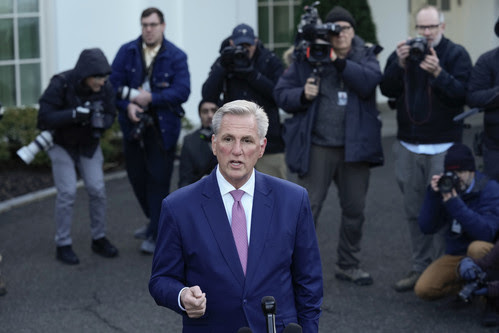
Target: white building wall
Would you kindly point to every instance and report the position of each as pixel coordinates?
(196, 26)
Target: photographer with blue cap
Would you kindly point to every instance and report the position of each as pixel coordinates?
(462, 204)
(247, 70)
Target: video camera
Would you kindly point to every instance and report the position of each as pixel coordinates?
(235, 57)
(448, 181)
(418, 49)
(145, 119)
(310, 29)
(466, 292)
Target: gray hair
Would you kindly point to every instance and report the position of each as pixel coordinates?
(242, 107)
(440, 13)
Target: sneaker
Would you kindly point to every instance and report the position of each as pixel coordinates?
(407, 283)
(104, 248)
(66, 255)
(148, 246)
(355, 275)
(140, 233)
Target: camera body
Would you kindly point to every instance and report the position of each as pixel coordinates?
(448, 181)
(418, 49)
(138, 130)
(234, 57)
(466, 293)
(43, 141)
(97, 118)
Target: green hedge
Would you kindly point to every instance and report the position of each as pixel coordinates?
(18, 128)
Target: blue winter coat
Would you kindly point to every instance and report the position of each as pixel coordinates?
(362, 123)
(169, 82)
(477, 212)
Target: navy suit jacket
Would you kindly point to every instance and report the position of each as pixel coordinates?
(195, 246)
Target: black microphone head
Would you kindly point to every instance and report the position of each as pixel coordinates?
(244, 330)
(268, 305)
(292, 328)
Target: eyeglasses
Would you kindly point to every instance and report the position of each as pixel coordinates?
(149, 25)
(345, 27)
(432, 27)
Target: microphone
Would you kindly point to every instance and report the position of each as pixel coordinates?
(292, 328)
(245, 330)
(268, 307)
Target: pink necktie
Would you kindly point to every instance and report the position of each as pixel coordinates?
(238, 226)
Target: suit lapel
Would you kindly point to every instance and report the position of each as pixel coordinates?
(217, 218)
(263, 204)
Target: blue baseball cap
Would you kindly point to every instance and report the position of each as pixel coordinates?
(243, 34)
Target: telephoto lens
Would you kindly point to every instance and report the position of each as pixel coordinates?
(43, 141)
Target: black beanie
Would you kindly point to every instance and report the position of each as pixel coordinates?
(339, 13)
(497, 27)
(459, 158)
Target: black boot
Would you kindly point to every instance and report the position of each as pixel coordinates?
(66, 255)
(103, 247)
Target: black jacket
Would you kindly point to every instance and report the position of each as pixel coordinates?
(67, 91)
(426, 105)
(256, 85)
(483, 92)
(196, 158)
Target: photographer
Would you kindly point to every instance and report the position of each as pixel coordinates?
(427, 78)
(463, 204)
(78, 106)
(483, 92)
(482, 277)
(338, 134)
(247, 70)
(196, 158)
(150, 120)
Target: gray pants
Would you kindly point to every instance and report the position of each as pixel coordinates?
(352, 180)
(413, 173)
(65, 178)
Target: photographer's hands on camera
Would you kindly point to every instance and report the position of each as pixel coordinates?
(470, 271)
(445, 195)
(138, 104)
(430, 63)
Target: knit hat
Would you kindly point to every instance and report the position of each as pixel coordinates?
(459, 158)
(339, 13)
(497, 27)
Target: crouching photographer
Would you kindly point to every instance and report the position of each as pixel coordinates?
(481, 278)
(463, 206)
(77, 107)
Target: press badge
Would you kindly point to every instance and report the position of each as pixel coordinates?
(456, 227)
(342, 98)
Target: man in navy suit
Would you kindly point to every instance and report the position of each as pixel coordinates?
(198, 270)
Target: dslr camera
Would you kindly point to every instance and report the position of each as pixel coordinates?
(138, 130)
(43, 141)
(418, 49)
(466, 293)
(235, 57)
(448, 181)
(97, 118)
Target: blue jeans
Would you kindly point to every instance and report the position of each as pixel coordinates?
(149, 168)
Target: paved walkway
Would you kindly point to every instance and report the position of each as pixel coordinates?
(110, 295)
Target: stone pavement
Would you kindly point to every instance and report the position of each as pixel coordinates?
(111, 295)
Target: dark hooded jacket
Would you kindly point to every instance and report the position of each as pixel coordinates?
(67, 91)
